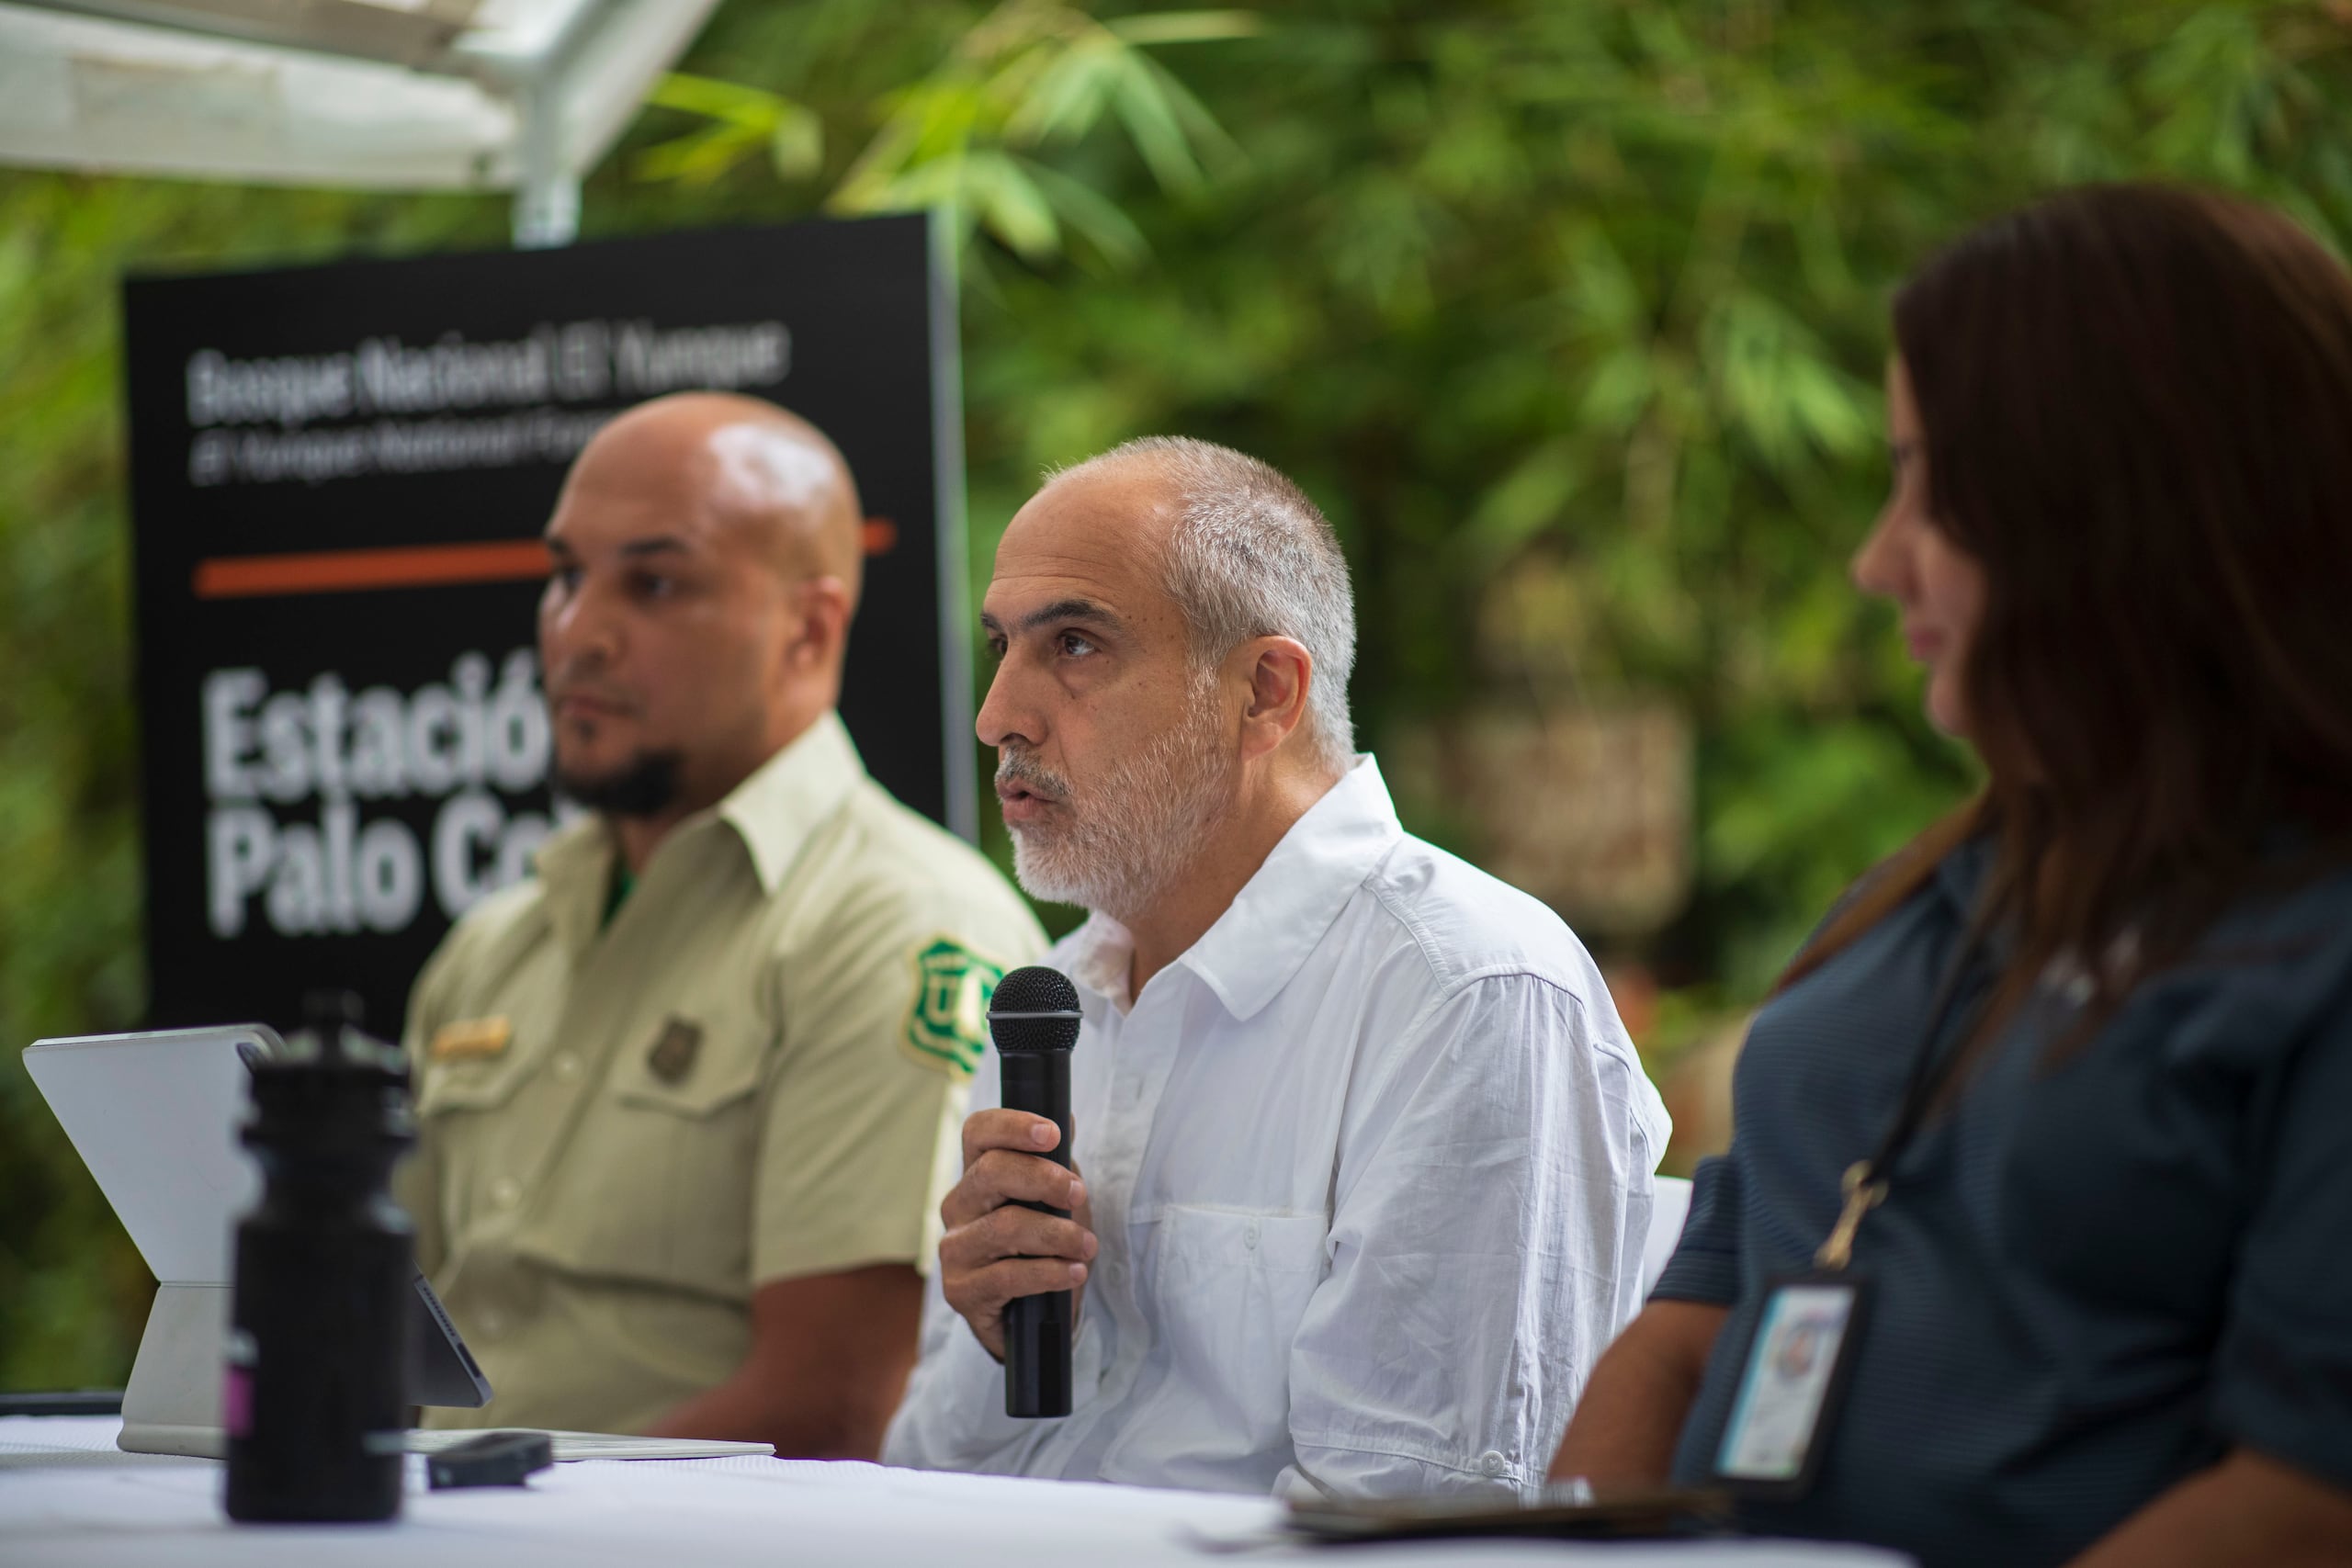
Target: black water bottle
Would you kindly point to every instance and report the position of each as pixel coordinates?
(316, 1397)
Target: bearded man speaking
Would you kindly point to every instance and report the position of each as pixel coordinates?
(1363, 1151)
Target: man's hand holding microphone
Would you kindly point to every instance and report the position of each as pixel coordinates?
(1020, 1237)
(995, 1250)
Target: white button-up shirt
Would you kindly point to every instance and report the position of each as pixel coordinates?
(1370, 1169)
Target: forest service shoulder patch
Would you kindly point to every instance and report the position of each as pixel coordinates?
(947, 1021)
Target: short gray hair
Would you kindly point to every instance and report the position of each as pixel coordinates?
(1251, 556)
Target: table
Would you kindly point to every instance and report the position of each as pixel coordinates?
(68, 1497)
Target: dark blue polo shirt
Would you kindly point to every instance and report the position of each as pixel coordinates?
(2094, 1275)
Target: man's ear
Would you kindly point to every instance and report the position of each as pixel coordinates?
(1280, 672)
(823, 632)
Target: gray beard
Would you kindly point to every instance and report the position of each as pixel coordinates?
(1126, 838)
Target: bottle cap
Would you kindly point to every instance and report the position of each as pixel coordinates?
(335, 1085)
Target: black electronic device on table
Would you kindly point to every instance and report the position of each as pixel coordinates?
(1660, 1512)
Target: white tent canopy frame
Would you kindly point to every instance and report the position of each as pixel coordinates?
(516, 95)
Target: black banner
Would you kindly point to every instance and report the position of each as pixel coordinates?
(338, 478)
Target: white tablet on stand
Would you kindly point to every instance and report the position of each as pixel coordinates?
(154, 1117)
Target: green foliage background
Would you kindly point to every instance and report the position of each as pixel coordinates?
(1586, 293)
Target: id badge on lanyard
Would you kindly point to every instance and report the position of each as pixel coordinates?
(1809, 1334)
(1799, 1362)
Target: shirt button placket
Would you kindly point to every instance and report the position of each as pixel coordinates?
(1114, 1156)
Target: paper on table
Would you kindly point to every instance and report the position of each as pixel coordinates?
(572, 1446)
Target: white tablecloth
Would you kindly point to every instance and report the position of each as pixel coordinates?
(67, 1496)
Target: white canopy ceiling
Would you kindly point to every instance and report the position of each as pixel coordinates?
(526, 94)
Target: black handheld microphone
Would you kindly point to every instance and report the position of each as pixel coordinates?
(1034, 1019)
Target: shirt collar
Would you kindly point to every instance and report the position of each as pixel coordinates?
(776, 809)
(772, 812)
(574, 868)
(1099, 955)
(1281, 913)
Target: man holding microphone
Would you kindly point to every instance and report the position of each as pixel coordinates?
(1362, 1152)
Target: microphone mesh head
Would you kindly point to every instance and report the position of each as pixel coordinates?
(1034, 991)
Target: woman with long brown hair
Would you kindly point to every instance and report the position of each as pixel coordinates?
(2035, 1241)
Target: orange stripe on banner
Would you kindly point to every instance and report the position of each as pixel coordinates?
(416, 566)
(345, 571)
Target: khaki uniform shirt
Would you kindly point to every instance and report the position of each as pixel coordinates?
(756, 1071)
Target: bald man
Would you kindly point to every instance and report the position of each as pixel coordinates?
(688, 1095)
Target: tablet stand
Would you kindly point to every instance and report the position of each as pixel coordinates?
(172, 1404)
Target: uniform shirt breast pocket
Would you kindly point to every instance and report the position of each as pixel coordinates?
(463, 1107)
(470, 1084)
(1233, 1285)
(665, 1162)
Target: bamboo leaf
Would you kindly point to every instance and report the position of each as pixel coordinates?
(716, 99)
(1186, 27)
(1150, 120)
(698, 159)
(796, 145)
(1009, 205)
(1090, 214)
(1068, 97)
